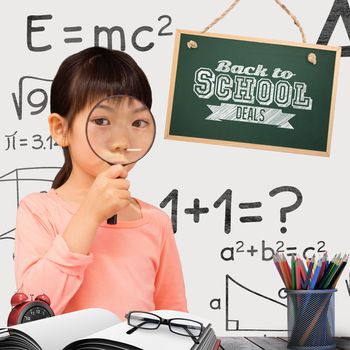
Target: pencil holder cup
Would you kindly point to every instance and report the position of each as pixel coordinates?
(311, 319)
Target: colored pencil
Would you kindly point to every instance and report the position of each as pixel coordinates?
(309, 271)
(316, 274)
(278, 267)
(284, 272)
(328, 268)
(293, 271)
(303, 272)
(323, 268)
(298, 273)
(336, 276)
(322, 274)
(288, 271)
(332, 272)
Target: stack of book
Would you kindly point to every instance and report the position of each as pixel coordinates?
(100, 329)
(208, 341)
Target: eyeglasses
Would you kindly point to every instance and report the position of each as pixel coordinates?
(180, 326)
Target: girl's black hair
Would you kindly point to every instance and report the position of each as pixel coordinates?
(90, 75)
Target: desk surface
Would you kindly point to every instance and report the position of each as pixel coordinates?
(269, 343)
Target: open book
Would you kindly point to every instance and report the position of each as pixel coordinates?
(101, 329)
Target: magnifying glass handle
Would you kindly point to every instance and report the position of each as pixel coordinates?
(112, 220)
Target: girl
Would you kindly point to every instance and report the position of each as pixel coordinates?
(64, 247)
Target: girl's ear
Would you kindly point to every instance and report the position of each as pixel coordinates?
(58, 129)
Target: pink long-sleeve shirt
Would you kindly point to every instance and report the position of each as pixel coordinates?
(133, 265)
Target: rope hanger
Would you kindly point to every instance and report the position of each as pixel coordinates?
(311, 57)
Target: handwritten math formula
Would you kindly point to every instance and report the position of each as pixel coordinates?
(115, 37)
(32, 97)
(15, 141)
(266, 251)
(198, 209)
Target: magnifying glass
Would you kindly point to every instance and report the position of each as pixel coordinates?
(120, 129)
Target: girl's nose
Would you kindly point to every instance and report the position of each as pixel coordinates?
(119, 139)
(119, 145)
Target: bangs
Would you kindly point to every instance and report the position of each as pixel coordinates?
(103, 73)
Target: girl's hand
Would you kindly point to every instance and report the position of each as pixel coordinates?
(108, 194)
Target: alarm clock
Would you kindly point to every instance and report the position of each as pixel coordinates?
(24, 310)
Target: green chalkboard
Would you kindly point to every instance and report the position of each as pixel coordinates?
(252, 93)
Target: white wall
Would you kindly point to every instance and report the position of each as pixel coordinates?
(196, 170)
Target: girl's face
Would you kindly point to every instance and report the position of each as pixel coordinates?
(119, 130)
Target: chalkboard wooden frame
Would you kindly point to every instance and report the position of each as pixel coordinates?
(319, 150)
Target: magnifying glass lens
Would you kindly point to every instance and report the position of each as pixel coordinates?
(120, 129)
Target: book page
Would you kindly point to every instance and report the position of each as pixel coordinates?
(158, 339)
(56, 332)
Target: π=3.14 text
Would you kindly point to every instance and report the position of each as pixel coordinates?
(14, 142)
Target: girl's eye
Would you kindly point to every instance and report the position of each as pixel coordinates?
(101, 121)
(140, 123)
